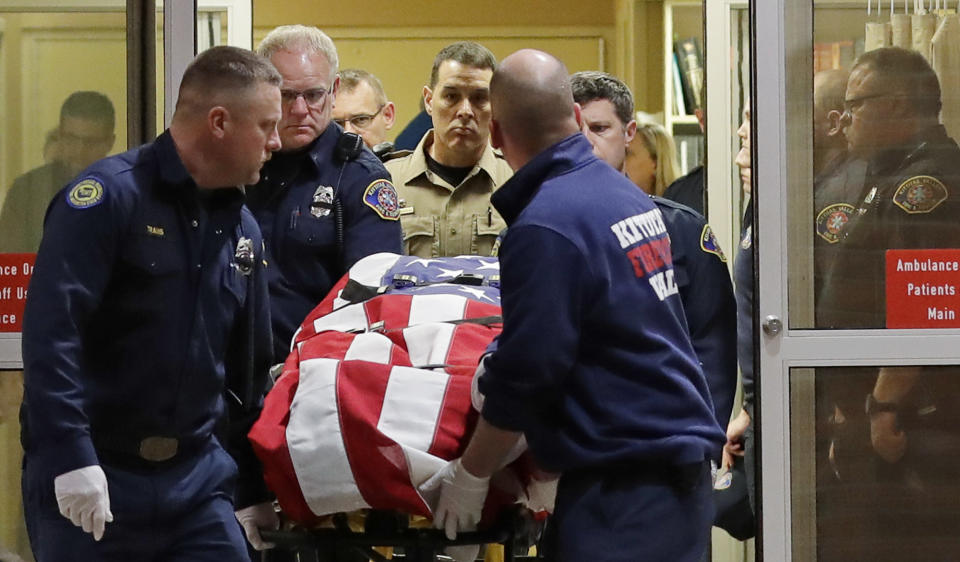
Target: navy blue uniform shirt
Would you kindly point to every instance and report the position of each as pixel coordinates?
(909, 199)
(594, 364)
(743, 280)
(700, 271)
(135, 317)
(689, 190)
(292, 205)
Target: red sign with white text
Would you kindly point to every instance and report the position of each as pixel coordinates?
(923, 288)
(15, 271)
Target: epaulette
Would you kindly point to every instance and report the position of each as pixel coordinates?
(395, 154)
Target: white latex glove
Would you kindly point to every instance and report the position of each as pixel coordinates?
(476, 397)
(461, 498)
(541, 495)
(256, 517)
(463, 552)
(83, 498)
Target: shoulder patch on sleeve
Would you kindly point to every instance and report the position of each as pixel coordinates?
(382, 197)
(831, 220)
(86, 193)
(709, 243)
(920, 194)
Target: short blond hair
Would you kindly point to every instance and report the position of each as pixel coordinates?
(311, 39)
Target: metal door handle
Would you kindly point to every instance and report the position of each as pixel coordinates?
(772, 325)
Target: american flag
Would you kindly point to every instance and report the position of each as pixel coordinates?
(375, 395)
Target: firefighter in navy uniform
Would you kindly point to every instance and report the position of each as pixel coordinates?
(909, 200)
(147, 302)
(610, 394)
(324, 201)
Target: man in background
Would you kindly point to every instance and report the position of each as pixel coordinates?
(446, 182)
(700, 266)
(362, 107)
(85, 134)
(324, 201)
(908, 201)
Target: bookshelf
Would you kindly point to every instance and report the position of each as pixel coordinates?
(682, 20)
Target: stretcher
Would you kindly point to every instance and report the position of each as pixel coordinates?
(515, 530)
(375, 397)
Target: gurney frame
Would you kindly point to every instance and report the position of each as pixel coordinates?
(515, 528)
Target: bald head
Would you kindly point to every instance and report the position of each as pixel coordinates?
(829, 87)
(532, 104)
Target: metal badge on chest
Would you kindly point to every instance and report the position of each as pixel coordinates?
(322, 202)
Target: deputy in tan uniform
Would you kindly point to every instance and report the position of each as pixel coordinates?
(446, 182)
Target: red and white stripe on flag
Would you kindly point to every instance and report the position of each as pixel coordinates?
(358, 420)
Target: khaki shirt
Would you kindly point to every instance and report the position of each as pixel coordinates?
(440, 219)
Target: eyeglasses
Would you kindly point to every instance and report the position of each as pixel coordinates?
(852, 104)
(313, 96)
(69, 137)
(361, 121)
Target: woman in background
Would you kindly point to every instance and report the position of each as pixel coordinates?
(652, 159)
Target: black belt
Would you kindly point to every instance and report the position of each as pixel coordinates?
(151, 451)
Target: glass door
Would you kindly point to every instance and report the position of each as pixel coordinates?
(857, 238)
(64, 103)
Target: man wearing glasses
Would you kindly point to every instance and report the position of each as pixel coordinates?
(363, 108)
(446, 182)
(905, 502)
(85, 135)
(324, 201)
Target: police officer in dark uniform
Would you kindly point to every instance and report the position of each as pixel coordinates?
(147, 317)
(324, 201)
(909, 200)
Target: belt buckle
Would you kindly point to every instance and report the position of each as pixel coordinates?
(158, 449)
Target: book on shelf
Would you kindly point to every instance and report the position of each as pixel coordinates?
(679, 107)
(834, 54)
(689, 58)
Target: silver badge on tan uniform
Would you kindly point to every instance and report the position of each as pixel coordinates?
(244, 257)
(322, 201)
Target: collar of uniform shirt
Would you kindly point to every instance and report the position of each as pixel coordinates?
(516, 192)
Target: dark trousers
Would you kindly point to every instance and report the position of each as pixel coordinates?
(631, 514)
(182, 512)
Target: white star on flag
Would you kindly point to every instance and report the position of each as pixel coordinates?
(479, 294)
(425, 262)
(448, 273)
(490, 265)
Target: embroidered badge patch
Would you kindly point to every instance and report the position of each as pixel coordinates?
(832, 219)
(381, 196)
(87, 193)
(920, 194)
(709, 243)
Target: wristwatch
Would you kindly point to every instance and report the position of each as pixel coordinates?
(875, 407)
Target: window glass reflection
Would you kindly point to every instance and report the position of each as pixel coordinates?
(59, 117)
(887, 484)
(886, 168)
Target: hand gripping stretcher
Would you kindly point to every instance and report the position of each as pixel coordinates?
(374, 398)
